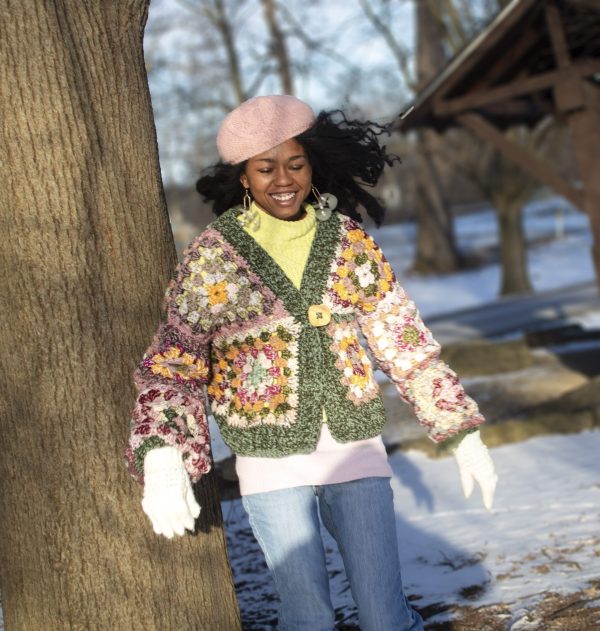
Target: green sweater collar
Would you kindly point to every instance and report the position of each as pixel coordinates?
(314, 280)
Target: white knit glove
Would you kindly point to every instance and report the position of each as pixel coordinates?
(475, 465)
(168, 497)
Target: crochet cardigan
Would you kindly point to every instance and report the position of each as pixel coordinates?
(235, 323)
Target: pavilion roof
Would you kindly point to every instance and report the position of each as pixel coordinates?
(507, 73)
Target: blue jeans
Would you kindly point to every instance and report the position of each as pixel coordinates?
(360, 517)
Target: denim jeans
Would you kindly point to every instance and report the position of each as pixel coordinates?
(360, 517)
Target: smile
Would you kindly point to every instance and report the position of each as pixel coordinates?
(283, 197)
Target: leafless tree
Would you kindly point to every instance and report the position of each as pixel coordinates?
(436, 250)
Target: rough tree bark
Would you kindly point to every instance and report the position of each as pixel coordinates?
(86, 254)
(436, 245)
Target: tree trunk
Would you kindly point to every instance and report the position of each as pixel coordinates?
(233, 60)
(278, 47)
(86, 254)
(436, 250)
(513, 250)
(584, 124)
(436, 246)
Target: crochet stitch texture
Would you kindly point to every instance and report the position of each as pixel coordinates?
(236, 324)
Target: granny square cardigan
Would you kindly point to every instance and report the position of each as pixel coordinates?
(235, 324)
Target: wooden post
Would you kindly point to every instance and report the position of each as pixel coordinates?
(540, 170)
(579, 101)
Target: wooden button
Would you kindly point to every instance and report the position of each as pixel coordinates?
(319, 315)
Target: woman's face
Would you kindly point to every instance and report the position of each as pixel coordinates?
(279, 179)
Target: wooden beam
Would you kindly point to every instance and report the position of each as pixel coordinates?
(519, 87)
(521, 47)
(568, 93)
(540, 170)
(466, 61)
(585, 4)
(557, 36)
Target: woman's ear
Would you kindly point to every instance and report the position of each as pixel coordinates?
(244, 180)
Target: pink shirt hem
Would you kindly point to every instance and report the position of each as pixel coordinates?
(330, 463)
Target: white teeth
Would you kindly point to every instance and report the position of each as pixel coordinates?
(283, 197)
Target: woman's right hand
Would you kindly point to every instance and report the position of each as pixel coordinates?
(168, 498)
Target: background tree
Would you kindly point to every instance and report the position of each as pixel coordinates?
(506, 185)
(436, 250)
(204, 58)
(85, 257)
(436, 245)
(508, 188)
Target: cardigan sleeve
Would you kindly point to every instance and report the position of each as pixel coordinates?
(170, 406)
(405, 350)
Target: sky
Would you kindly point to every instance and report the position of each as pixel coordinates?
(187, 73)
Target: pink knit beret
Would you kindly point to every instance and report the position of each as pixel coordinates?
(261, 123)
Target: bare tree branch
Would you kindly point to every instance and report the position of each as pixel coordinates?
(401, 54)
(278, 46)
(311, 43)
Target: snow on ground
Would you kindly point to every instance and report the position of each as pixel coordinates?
(543, 532)
(558, 256)
(541, 536)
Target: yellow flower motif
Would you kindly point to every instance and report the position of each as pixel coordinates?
(217, 293)
(199, 371)
(183, 365)
(342, 272)
(348, 254)
(340, 290)
(355, 235)
(162, 370)
(187, 359)
(359, 380)
(172, 353)
(384, 285)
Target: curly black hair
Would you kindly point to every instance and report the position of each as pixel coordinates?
(345, 155)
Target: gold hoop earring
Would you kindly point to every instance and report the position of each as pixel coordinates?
(324, 204)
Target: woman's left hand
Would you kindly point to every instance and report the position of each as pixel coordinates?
(475, 465)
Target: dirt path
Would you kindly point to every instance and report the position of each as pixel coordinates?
(574, 612)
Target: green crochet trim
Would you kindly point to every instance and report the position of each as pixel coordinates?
(314, 279)
(450, 444)
(140, 453)
(346, 420)
(319, 379)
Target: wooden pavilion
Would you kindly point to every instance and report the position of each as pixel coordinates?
(538, 58)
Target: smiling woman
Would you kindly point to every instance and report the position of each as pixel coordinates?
(279, 179)
(267, 311)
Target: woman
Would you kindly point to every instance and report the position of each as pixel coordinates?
(265, 311)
